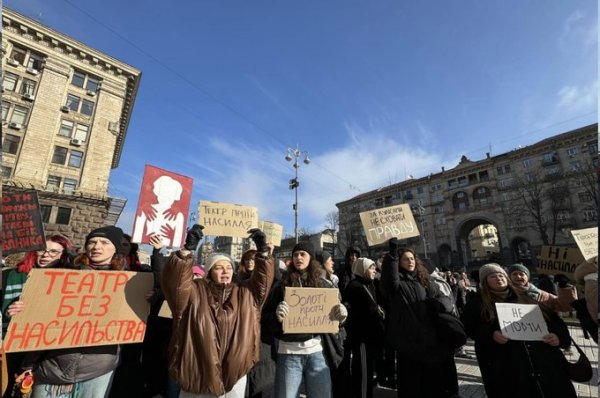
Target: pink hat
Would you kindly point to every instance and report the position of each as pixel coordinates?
(198, 270)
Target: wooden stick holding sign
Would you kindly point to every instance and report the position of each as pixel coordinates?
(521, 321)
(310, 309)
(587, 241)
(73, 308)
(226, 219)
(390, 222)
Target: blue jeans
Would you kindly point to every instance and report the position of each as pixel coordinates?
(291, 368)
(98, 387)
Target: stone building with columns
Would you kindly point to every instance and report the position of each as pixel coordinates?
(476, 211)
(66, 108)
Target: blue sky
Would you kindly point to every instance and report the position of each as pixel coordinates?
(374, 90)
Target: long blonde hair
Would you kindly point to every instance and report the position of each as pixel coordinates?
(489, 298)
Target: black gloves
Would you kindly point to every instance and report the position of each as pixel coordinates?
(193, 237)
(260, 239)
(562, 280)
(394, 247)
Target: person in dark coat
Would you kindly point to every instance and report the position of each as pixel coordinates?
(364, 326)
(414, 298)
(511, 368)
(344, 272)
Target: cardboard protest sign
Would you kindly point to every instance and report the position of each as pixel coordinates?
(559, 260)
(390, 222)
(162, 207)
(310, 309)
(273, 231)
(226, 219)
(73, 308)
(22, 227)
(587, 241)
(521, 321)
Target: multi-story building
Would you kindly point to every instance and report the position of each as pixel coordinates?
(522, 199)
(65, 112)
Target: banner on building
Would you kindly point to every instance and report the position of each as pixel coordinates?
(521, 321)
(227, 219)
(390, 222)
(559, 260)
(310, 309)
(73, 308)
(273, 231)
(22, 227)
(587, 241)
(163, 206)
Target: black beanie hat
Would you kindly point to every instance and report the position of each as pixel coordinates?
(307, 247)
(112, 233)
(322, 256)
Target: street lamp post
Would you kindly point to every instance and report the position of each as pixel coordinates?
(294, 154)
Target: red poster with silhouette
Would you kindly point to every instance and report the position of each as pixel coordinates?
(162, 207)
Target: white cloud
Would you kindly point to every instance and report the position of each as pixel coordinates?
(578, 99)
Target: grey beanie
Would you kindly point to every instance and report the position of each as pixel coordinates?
(519, 267)
(361, 265)
(489, 269)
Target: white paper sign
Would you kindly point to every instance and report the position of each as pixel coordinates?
(521, 321)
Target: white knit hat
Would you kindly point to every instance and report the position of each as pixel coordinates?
(489, 269)
(361, 265)
(217, 257)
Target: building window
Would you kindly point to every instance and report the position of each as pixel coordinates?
(505, 183)
(388, 200)
(45, 210)
(35, 62)
(482, 195)
(9, 82)
(60, 155)
(5, 108)
(571, 151)
(69, 185)
(592, 147)
(575, 165)
(87, 107)
(6, 171)
(81, 132)
(590, 215)
(549, 158)
(503, 169)
(484, 176)
(78, 79)
(11, 143)
(584, 197)
(419, 190)
(92, 84)
(66, 128)
(63, 216)
(462, 181)
(73, 102)
(53, 183)
(452, 183)
(75, 159)
(18, 54)
(460, 200)
(527, 163)
(378, 202)
(19, 115)
(28, 87)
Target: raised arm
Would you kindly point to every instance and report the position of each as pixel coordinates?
(390, 279)
(264, 270)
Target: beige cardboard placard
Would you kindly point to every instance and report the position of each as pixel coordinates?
(226, 219)
(559, 260)
(310, 309)
(273, 231)
(73, 308)
(390, 222)
(587, 241)
(165, 310)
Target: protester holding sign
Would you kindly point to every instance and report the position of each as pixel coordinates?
(511, 368)
(55, 255)
(519, 276)
(303, 356)
(87, 371)
(414, 302)
(216, 337)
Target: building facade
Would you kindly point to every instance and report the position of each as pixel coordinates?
(516, 202)
(65, 112)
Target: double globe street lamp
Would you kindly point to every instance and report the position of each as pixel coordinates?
(294, 154)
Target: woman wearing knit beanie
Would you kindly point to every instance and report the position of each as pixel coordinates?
(511, 368)
(301, 357)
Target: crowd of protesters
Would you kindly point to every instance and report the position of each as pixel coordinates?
(225, 337)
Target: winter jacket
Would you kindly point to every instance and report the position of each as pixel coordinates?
(364, 324)
(411, 330)
(586, 274)
(520, 369)
(216, 327)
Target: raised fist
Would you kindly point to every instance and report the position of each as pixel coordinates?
(394, 247)
(193, 237)
(260, 239)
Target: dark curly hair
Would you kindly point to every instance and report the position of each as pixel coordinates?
(420, 270)
(310, 277)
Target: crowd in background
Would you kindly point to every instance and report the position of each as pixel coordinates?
(402, 322)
